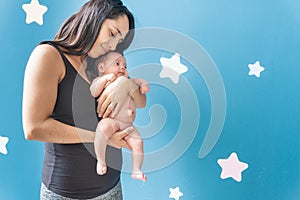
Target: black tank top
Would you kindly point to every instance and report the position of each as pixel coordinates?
(70, 169)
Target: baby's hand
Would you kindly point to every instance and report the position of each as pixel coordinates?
(110, 77)
(143, 85)
(144, 88)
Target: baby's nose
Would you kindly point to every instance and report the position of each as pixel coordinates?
(123, 66)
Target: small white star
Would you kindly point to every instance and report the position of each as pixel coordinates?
(255, 69)
(175, 193)
(34, 12)
(172, 68)
(3, 142)
(232, 167)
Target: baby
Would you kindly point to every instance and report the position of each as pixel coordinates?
(111, 66)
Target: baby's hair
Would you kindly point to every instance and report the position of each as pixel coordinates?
(92, 65)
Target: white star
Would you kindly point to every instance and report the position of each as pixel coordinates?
(232, 167)
(255, 69)
(172, 68)
(175, 193)
(3, 142)
(34, 12)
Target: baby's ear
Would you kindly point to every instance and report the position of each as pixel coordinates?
(101, 68)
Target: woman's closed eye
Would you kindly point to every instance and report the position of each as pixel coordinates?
(116, 34)
(112, 34)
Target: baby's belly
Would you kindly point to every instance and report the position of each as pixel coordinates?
(127, 112)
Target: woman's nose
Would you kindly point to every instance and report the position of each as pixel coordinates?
(113, 43)
(112, 46)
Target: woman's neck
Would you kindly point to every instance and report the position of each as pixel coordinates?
(79, 63)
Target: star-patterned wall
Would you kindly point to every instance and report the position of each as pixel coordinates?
(223, 111)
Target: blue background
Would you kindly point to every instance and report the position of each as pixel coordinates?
(262, 120)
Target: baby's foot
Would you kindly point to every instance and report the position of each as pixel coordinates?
(101, 168)
(139, 176)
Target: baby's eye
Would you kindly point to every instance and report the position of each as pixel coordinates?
(112, 34)
(117, 63)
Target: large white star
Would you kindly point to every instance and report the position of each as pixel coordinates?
(3, 142)
(255, 69)
(175, 193)
(232, 167)
(34, 12)
(172, 68)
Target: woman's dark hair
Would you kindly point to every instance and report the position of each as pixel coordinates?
(79, 32)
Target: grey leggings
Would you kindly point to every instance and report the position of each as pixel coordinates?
(113, 194)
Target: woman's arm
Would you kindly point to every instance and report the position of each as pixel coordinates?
(44, 70)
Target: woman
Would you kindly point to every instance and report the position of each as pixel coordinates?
(49, 105)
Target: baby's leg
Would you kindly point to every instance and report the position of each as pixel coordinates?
(105, 129)
(136, 144)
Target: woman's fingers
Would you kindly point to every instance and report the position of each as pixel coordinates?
(109, 109)
(125, 145)
(116, 109)
(126, 132)
(124, 135)
(103, 103)
(114, 95)
(100, 101)
(118, 140)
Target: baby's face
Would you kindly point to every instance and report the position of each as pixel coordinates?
(115, 64)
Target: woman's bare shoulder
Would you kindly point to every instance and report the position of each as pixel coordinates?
(46, 58)
(46, 50)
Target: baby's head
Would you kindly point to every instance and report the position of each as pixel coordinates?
(110, 63)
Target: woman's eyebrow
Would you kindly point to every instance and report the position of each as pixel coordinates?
(118, 31)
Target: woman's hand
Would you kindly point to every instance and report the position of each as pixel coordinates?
(118, 139)
(114, 95)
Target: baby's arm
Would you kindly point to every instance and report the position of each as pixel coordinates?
(100, 83)
(142, 84)
(139, 96)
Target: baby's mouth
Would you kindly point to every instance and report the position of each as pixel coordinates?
(121, 74)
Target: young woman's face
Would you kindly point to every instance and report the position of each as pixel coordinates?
(112, 32)
(115, 64)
